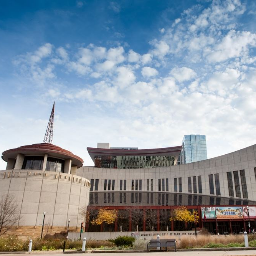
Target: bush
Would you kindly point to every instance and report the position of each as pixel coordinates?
(252, 243)
(123, 241)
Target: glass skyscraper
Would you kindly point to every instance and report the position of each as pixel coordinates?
(193, 149)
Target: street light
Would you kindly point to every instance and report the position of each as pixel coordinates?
(68, 225)
(43, 225)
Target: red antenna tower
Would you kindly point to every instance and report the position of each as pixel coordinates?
(49, 130)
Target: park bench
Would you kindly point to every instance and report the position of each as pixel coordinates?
(162, 244)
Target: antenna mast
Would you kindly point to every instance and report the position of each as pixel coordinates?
(49, 130)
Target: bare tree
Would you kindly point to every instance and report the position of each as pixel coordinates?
(9, 214)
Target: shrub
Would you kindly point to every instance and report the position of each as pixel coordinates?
(123, 241)
(252, 243)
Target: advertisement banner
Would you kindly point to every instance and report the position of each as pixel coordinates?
(208, 213)
(249, 212)
(229, 212)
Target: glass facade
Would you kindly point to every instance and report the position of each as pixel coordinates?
(133, 162)
(193, 149)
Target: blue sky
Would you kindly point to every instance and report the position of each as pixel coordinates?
(128, 72)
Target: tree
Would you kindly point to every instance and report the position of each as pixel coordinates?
(184, 215)
(105, 216)
(9, 214)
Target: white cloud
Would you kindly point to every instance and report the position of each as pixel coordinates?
(79, 4)
(149, 72)
(79, 68)
(133, 56)
(105, 66)
(124, 77)
(146, 58)
(62, 53)
(43, 52)
(115, 7)
(161, 48)
(116, 55)
(183, 74)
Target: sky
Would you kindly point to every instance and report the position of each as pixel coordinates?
(128, 72)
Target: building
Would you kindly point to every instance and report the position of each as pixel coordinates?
(42, 179)
(224, 184)
(133, 158)
(193, 149)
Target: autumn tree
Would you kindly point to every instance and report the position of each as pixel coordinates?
(105, 216)
(182, 214)
(8, 213)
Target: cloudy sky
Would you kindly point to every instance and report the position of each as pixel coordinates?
(128, 72)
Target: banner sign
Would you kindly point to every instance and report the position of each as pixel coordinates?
(229, 212)
(208, 213)
(249, 212)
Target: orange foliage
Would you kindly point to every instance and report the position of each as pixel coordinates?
(105, 215)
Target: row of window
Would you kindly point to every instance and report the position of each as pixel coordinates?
(163, 199)
(180, 184)
(195, 182)
(214, 179)
(234, 176)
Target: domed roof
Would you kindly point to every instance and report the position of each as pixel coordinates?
(41, 149)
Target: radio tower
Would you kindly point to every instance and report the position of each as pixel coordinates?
(49, 130)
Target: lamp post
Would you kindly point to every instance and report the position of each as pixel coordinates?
(68, 226)
(44, 213)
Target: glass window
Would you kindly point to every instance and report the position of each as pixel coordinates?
(180, 184)
(159, 184)
(108, 197)
(230, 184)
(121, 198)
(136, 185)
(140, 197)
(148, 185)
(96, 185)
(163, 185)
(152, 187)
(140, 184)
(237, 184)
(199, 179)
(91, 198)
(175, 199)
(54, 165)
(125, 198)
(167, 185)
(189, 199)
(113, 197)
(217, 184)
(194, 185)
(132, 198)
(96, 198)
(132, 184)
(255, 172)
(34, 163)
(109, 184)
(243, 183)
(175, 184)
(92, 184)
(124, 184)
(105, 184)
(105, 198)
(121, 184)
(113, 184)
(211, 186)
(189, 185)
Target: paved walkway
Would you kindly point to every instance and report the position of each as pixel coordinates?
(184, 253)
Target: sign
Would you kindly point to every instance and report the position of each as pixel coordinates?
(208, 213)
(229, 212)
(249, 212)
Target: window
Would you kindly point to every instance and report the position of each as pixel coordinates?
(194, 185)
(136, 185)
(96, 185)
(121, 198)
(54, 165)
(109, 184)
(132, 184)
(113, 184)
(121, 184)
(152, 187)
(132, 198)
(255, 172)
(105, 198)
(35, 163)
(180, 184)
(199, 179)
(140, 184)
(167, 185)
(124, 184)
(159, 184)
(230, 184)
(243, 183)
(105, 184)
(189, 185)
(92, 184)
(96, 198)
(148, 185)
(217, 184)
(113, 197)
(237, 184)
(175, 199)
(175, 184)
(211, 186)
(163, 185)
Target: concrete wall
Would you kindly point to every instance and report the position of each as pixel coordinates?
(60, 195)
(244, 159)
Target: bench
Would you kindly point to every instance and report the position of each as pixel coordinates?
(161, 244)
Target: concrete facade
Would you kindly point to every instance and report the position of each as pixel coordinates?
(60, 195)
(244, 159)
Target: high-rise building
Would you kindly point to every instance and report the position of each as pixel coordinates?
(193, 149)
